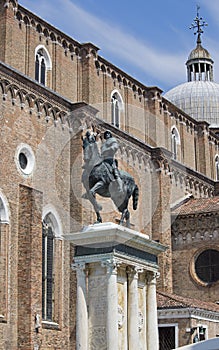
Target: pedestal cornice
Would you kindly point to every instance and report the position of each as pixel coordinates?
(108, 235)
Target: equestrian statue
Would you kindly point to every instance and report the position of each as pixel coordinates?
(102, 176)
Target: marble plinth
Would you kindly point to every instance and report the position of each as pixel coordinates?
(116, 288)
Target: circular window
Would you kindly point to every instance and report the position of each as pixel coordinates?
(25, 159)
(207, 266)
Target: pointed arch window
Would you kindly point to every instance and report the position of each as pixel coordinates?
(42, 64)
(51, 271)
(47, 270)
(175, 141)
(116, 108)
(217, 168)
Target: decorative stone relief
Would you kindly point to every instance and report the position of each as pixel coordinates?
(195, 229)
(140, 321)
(98, 338)
(121, 317)
(97, 301)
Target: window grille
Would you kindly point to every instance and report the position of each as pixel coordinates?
(207, 266)
(167, 338)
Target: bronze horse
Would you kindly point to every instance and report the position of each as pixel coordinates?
(96, 179)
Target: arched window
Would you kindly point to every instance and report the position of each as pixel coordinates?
(47, 273)
(50, 280)
(43, 64)
(175, 141)
(217, 168)
(116, 108)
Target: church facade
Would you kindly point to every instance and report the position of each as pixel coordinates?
(53, 89)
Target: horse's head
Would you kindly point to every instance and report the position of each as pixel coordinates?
(91, 154)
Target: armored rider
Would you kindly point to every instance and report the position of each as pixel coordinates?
(108, 151)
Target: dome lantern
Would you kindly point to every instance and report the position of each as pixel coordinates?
(199, 96)
(199, 63)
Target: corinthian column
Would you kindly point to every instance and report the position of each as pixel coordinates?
(153, 342)
(81, 308)
(133, 334)
(112, 304)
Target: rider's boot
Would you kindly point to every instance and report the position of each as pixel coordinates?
(118, 179)
(119, 184)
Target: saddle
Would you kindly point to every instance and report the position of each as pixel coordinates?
(109, 170)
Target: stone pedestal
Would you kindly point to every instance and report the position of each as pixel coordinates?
(116, 288)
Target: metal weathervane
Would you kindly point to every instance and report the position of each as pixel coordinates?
(198, 24)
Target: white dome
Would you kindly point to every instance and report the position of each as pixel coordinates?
(199, 99)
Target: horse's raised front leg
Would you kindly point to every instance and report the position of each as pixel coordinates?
(96, 187)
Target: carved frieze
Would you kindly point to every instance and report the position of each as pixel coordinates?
(195, 228)
(121, 317)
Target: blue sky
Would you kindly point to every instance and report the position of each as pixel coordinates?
(148, 39)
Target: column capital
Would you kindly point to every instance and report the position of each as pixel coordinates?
(152, 276)
(111, 266)
(133, 271)
(79, 267)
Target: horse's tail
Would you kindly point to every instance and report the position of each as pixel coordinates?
(135, 195)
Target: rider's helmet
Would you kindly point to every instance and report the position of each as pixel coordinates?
(107, 134)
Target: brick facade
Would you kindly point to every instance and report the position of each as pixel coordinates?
(48, 122)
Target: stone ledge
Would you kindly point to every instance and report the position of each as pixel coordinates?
(50, 325)
(106, 235)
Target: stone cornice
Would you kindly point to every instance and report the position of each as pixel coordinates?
(128, 77)
(121, 259)
(110, 233)
(189, 229)
(187, 312)
(192, 172)
(196, 215)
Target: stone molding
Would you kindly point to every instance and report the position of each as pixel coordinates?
(188, 313)
(109, 232)
(29, 96)
(195, 228)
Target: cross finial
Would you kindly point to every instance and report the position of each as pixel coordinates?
(197, 25)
